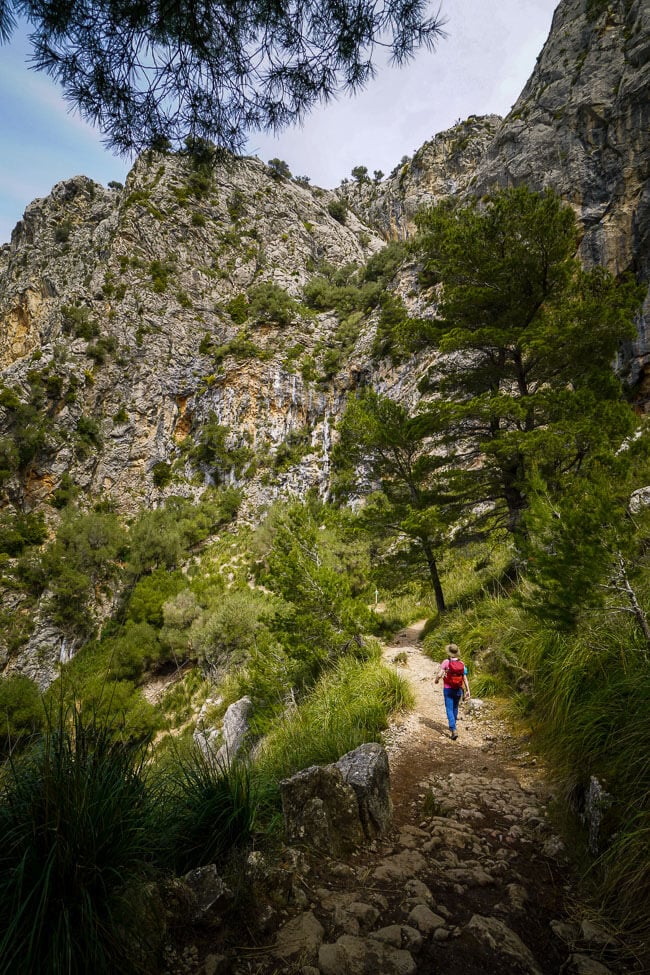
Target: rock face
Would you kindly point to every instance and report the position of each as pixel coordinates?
(582, 126)
(444, 166)
(124, 295)
(127, 317)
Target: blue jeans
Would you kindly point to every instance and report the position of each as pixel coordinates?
(452, 700)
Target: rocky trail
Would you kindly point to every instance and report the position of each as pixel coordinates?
(471, 878)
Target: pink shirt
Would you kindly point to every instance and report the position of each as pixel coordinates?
(445, 666)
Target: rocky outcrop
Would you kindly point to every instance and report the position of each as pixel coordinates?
(124, 296)
(582, 126)
(333, 808)
(224, 744)
(443, 167)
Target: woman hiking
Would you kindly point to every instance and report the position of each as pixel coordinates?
(454, 674)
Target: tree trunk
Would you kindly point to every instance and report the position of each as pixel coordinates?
(435, 577)
(637, 610)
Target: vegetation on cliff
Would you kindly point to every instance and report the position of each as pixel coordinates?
(499, 505)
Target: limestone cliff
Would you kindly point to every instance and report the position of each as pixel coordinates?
(132, 317)
(120, 302)
(582, 126)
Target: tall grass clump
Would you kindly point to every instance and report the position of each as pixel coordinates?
(592, 690)
(75, 821)
(350, 705)
(208, 809)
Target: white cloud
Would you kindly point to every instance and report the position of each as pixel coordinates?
(480, 67)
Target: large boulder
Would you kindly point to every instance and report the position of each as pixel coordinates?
(223, 744)
(366, 770)
(321, 810)
(335, 808)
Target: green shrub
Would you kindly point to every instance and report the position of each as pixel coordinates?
(120, 416)
(62, 231)
(237, 308)
(88, 436)
(66, 493)
(76, 823)
(162, 474)
(100, 349)
(160, 273)
(338, 209)
(19, 531)
(236, 205)
(229, 630)
(21, 708)
(279, 169)
(77, 320)
(208, 809)
(268, 302)
(150, 593)
(212, 449)
(198, 219)
(293, 449)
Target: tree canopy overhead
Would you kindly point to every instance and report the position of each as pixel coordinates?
(149, 72)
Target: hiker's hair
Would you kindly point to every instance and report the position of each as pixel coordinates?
(451, 649)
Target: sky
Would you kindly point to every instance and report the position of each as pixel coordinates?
(478, 68)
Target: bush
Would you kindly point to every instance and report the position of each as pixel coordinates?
(230, 629)
(162, 474)
(237, 308)
(76, 319)
(19, 531)
(269, 302)
(279, 169)
(21, 708)
(208, 808)
(338, 209)
(151, 593)
(88, 436)
(76, 823)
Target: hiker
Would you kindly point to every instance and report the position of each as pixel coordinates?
(455, 682)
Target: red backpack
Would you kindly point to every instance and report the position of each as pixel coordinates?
(455, 674)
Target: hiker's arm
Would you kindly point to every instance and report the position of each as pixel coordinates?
(441, 673)
(466, 682)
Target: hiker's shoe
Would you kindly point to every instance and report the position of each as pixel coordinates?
(454, 736)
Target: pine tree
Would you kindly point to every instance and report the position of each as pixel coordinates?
(152, 73)
(528, 339)
(381, 443)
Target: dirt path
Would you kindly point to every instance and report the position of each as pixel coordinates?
(419, 743)
(507, 873)
(471, 879)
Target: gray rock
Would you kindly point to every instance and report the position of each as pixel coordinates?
(594, 934)
(358, 956)
(321, 810)
(299, 938)
(366, 770)
(500, 939)
(399, 936)
(424, 919)
(207, 890)
(566, 932)
(217, 965)
(234, 730)
(401, 866)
